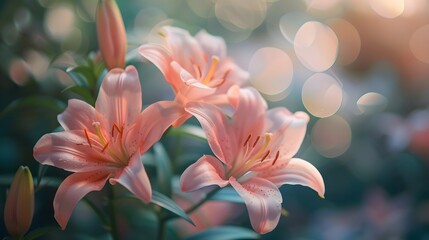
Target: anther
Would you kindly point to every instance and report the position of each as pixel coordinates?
(247, 140)
(256, 141)
(117, 128)
(277, 156)
(87, 137)
(105, 147)
(265, 156)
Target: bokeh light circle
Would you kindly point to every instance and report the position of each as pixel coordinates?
(372, 102)
(388, 8)
(419, 43)
(316, 46)
(59, 21)
(240, 15)
(18, 72)
(331, 136)
(322, 95)
(290, 23)
(348, 39)
(271, 70)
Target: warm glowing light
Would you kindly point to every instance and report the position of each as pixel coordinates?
(271, 70)
(419, 43)
(290, 23)
(59, 21)
(372, 102)
(348, 39)
(331, 136)
(388, 8)
(239, 15)
(203, 8)
(322, 95)
(322, 4)
(38, 63)
(316, 46)
(18, 72)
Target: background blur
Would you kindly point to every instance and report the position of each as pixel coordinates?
(360, 68)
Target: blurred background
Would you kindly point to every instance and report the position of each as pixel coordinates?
(360, 68)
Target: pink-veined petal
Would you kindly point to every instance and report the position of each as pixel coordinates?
(73, 189)
(153, 122)
(207, 171)
(120, 97)
(263, 201)
(218, 129)
(211, 45)
(70, 151)
(294, 171)
(248, 117)
(134, 178)
(291, 134)
(78, 116)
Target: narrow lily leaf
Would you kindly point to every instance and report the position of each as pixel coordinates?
(77, 78)
(189, 130)
(225, 233)
(163, 169)
(40, 232)
(168, 204)
(227, 194)
(87, 73)
(35, 101)
(82, 92)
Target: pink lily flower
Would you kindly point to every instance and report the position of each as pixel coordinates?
(254, 154)
(105, 142)
(197, 68)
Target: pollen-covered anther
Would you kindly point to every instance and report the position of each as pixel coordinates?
(87, 137)
(256, 141)
(265, 156)
(120, 130)
(105, 147)
(247, 140)
(275, 159)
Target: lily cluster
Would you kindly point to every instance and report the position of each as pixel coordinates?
(253, 146)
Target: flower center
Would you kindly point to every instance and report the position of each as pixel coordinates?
(212, 69)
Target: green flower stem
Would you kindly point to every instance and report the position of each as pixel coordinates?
(113, 226)
(202, 201)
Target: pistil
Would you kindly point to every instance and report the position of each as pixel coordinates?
(210, 73)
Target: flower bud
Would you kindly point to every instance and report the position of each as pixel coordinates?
(19, 207)
(111, 34)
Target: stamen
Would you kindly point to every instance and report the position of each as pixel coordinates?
(198, 70)
(105, 147)
(275, 159)
(98, 131)
(87, 137)
(120, 130)
(265, 156)
(256, 141)
(210, 73)
(247, 140)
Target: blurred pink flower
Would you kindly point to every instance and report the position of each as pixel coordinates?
(112, 38)
(254, 154)
(104, 142)
(197, 68)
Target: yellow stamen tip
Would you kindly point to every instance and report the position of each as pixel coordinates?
(210, 73)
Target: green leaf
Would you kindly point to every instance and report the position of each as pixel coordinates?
(189, 130)
(227, 194)
(168, 204)
(225, 233)
(82, 92)
(40, 232)
(41, 172)
(35, 101)
(163, 169)
(87, 72)
(77, 78)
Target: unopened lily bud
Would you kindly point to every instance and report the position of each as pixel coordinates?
(19, 207)
(111, 34)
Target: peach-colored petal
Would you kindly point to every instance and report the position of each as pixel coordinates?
(134, 178)
(73, 189)
(152, 123)
(212, 45)
(120, 96)
(70, 151)
(248, 118)
(263, 201)
(220, 134)
(207, 171)
(295, 171)
(78, 115)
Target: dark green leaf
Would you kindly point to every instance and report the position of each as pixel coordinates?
(227, 194)
(189, 130)
(77, 78)
(82, 92)
(225, 233)
(97, 211)
(87, 73)
(168, 204)
(40, 232)
(163, 169)
(35, 101)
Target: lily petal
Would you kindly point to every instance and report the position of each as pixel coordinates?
(153, 122)
(78, 115)
(134, 178)
(251, 104)
(120, 96)
(70, 151)
(73, 189)
(295, 171)
(207, 171)
(263, 201)
(212, 45)
(220, 134)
